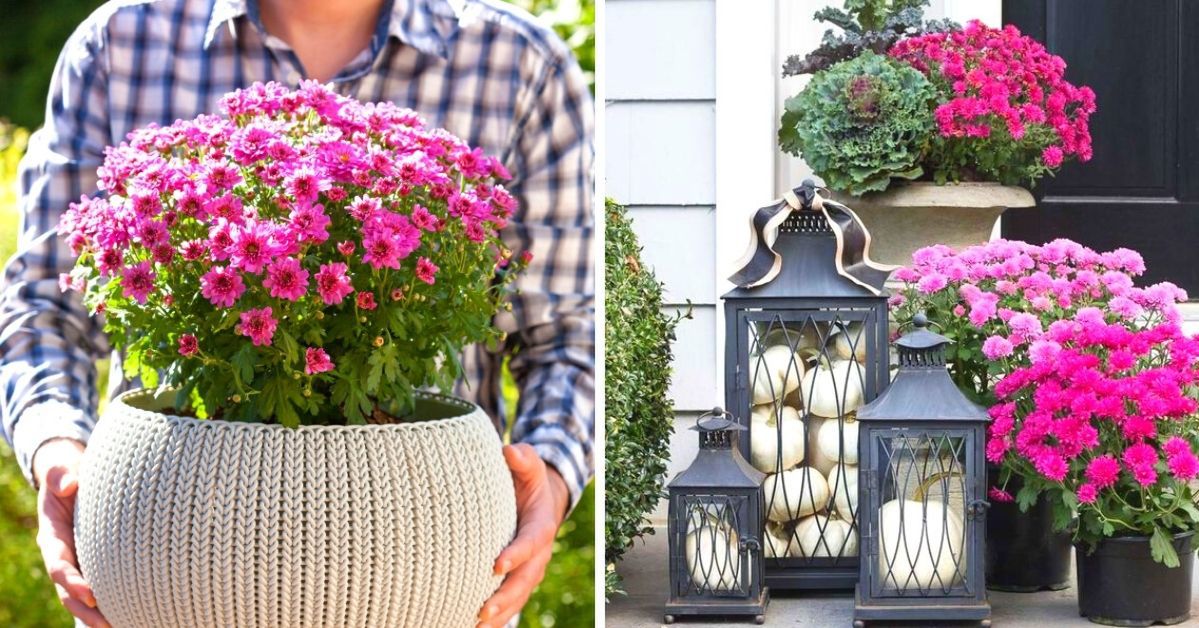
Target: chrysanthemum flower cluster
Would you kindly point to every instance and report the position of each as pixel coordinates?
(1007, 112)
(1106, 417)
(301, 254)
(1091, 385)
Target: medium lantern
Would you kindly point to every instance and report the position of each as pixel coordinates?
(806, 345)
(923, 516)
(714, 528)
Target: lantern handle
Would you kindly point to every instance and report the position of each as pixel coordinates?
(921, 321)
(921, 490)
(719, 419)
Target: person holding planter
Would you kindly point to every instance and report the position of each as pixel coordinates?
(310, 271)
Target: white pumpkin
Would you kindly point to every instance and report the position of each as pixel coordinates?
(814, 456)
(849, 343)
(764, 451)
(807, 337)
(832, 389)
(795, 493)
(829, 440)
(843, 484)
(713, 559)
(775, 373)
(778, 541)
(839, 538)
(920, 545)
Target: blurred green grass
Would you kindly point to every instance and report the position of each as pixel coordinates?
(565, 598)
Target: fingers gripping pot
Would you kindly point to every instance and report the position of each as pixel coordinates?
(182, 521)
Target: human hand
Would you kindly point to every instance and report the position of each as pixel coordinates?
(55, 467)
(541, 500)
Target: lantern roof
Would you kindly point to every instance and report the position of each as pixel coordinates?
(719, 464)
(922, 389)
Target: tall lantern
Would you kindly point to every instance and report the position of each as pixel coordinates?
(715, 527)
(923, 515)
(806, 345)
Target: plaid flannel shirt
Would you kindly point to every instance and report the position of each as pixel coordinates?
(479, 68)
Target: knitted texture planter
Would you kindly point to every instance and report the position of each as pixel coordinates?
(184, 522)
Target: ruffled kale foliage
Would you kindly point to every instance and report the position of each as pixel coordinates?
(861, 123)
(866, 25)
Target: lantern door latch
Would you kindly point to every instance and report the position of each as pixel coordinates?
(978, 508)
(750, 544)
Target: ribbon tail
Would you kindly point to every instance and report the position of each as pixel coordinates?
(853, 248)
(760, 264)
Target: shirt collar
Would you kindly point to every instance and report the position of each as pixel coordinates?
(416, 23)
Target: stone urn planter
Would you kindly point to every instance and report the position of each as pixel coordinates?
(187, 522)
(913, 214)
(1119, 584)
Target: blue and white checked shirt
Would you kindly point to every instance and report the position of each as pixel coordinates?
(479, 68)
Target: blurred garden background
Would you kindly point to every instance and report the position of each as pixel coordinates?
(31, 35)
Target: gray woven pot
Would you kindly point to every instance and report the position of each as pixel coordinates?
(182, 522)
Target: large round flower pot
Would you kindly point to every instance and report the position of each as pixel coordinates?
(184, 522)
(1024, 554)
(1119, 584)
(910, 215)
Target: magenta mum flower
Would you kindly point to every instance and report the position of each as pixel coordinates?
(286, 279)
(316, 361)
(188, 345)
(138, 282)
(1087, 493)
(222, 286)
(425, 270)
(1103, 471)
(999, 495)
(259, 325)
(332, 283)
(251, 249)
(997, 347)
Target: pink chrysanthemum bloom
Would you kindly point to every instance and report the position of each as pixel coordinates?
(286, 279)
(996, 347)
(316, 361)
(1087, 494)
(222, 286)
(1183, 465)
(138, 282)
(999, 495)
(365, 301)
(251, 249)
(426, 270)
(188, 345)
(332, 283)
(381, 250)
(259, 325)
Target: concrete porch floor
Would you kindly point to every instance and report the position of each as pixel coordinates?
(644, 573)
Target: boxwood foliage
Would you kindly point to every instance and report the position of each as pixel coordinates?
(861, 123)
(639, 414)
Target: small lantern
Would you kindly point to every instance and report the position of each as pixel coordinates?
(715, 526)
(923, 516)
(806, 346)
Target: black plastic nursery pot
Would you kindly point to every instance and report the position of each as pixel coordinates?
(1024, 554)
(1119, 584)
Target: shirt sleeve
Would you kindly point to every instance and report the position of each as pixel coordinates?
(48, 342)
(553, 317)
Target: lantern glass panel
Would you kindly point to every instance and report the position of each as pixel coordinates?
(808, 372)
(716, 560)
(924, 528)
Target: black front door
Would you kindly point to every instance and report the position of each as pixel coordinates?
(1141, 189)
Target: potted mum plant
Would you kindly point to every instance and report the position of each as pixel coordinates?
(287, 278)
(940, 161)
(1105, 419)
(997, 301)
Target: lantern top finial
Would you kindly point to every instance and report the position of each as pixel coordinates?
(716, 428)
(921, 338)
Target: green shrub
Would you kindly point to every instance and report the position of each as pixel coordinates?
(861, 123)
(639, 415)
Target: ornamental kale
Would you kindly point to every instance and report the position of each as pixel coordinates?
(302, 258)
(860, 123)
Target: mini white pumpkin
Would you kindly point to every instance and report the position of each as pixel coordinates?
(795, 493)
(849, 343)
(843, 484)
(778, 541)
(839, 538)
(775, 373)
(806, 337)
(920, 545)
(832, 389)
(814, 456)
(764, 438)
(829, 440)
(713, 559)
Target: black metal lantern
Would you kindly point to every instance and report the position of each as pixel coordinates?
(923, 514)
(806, 345)
(714, 528)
